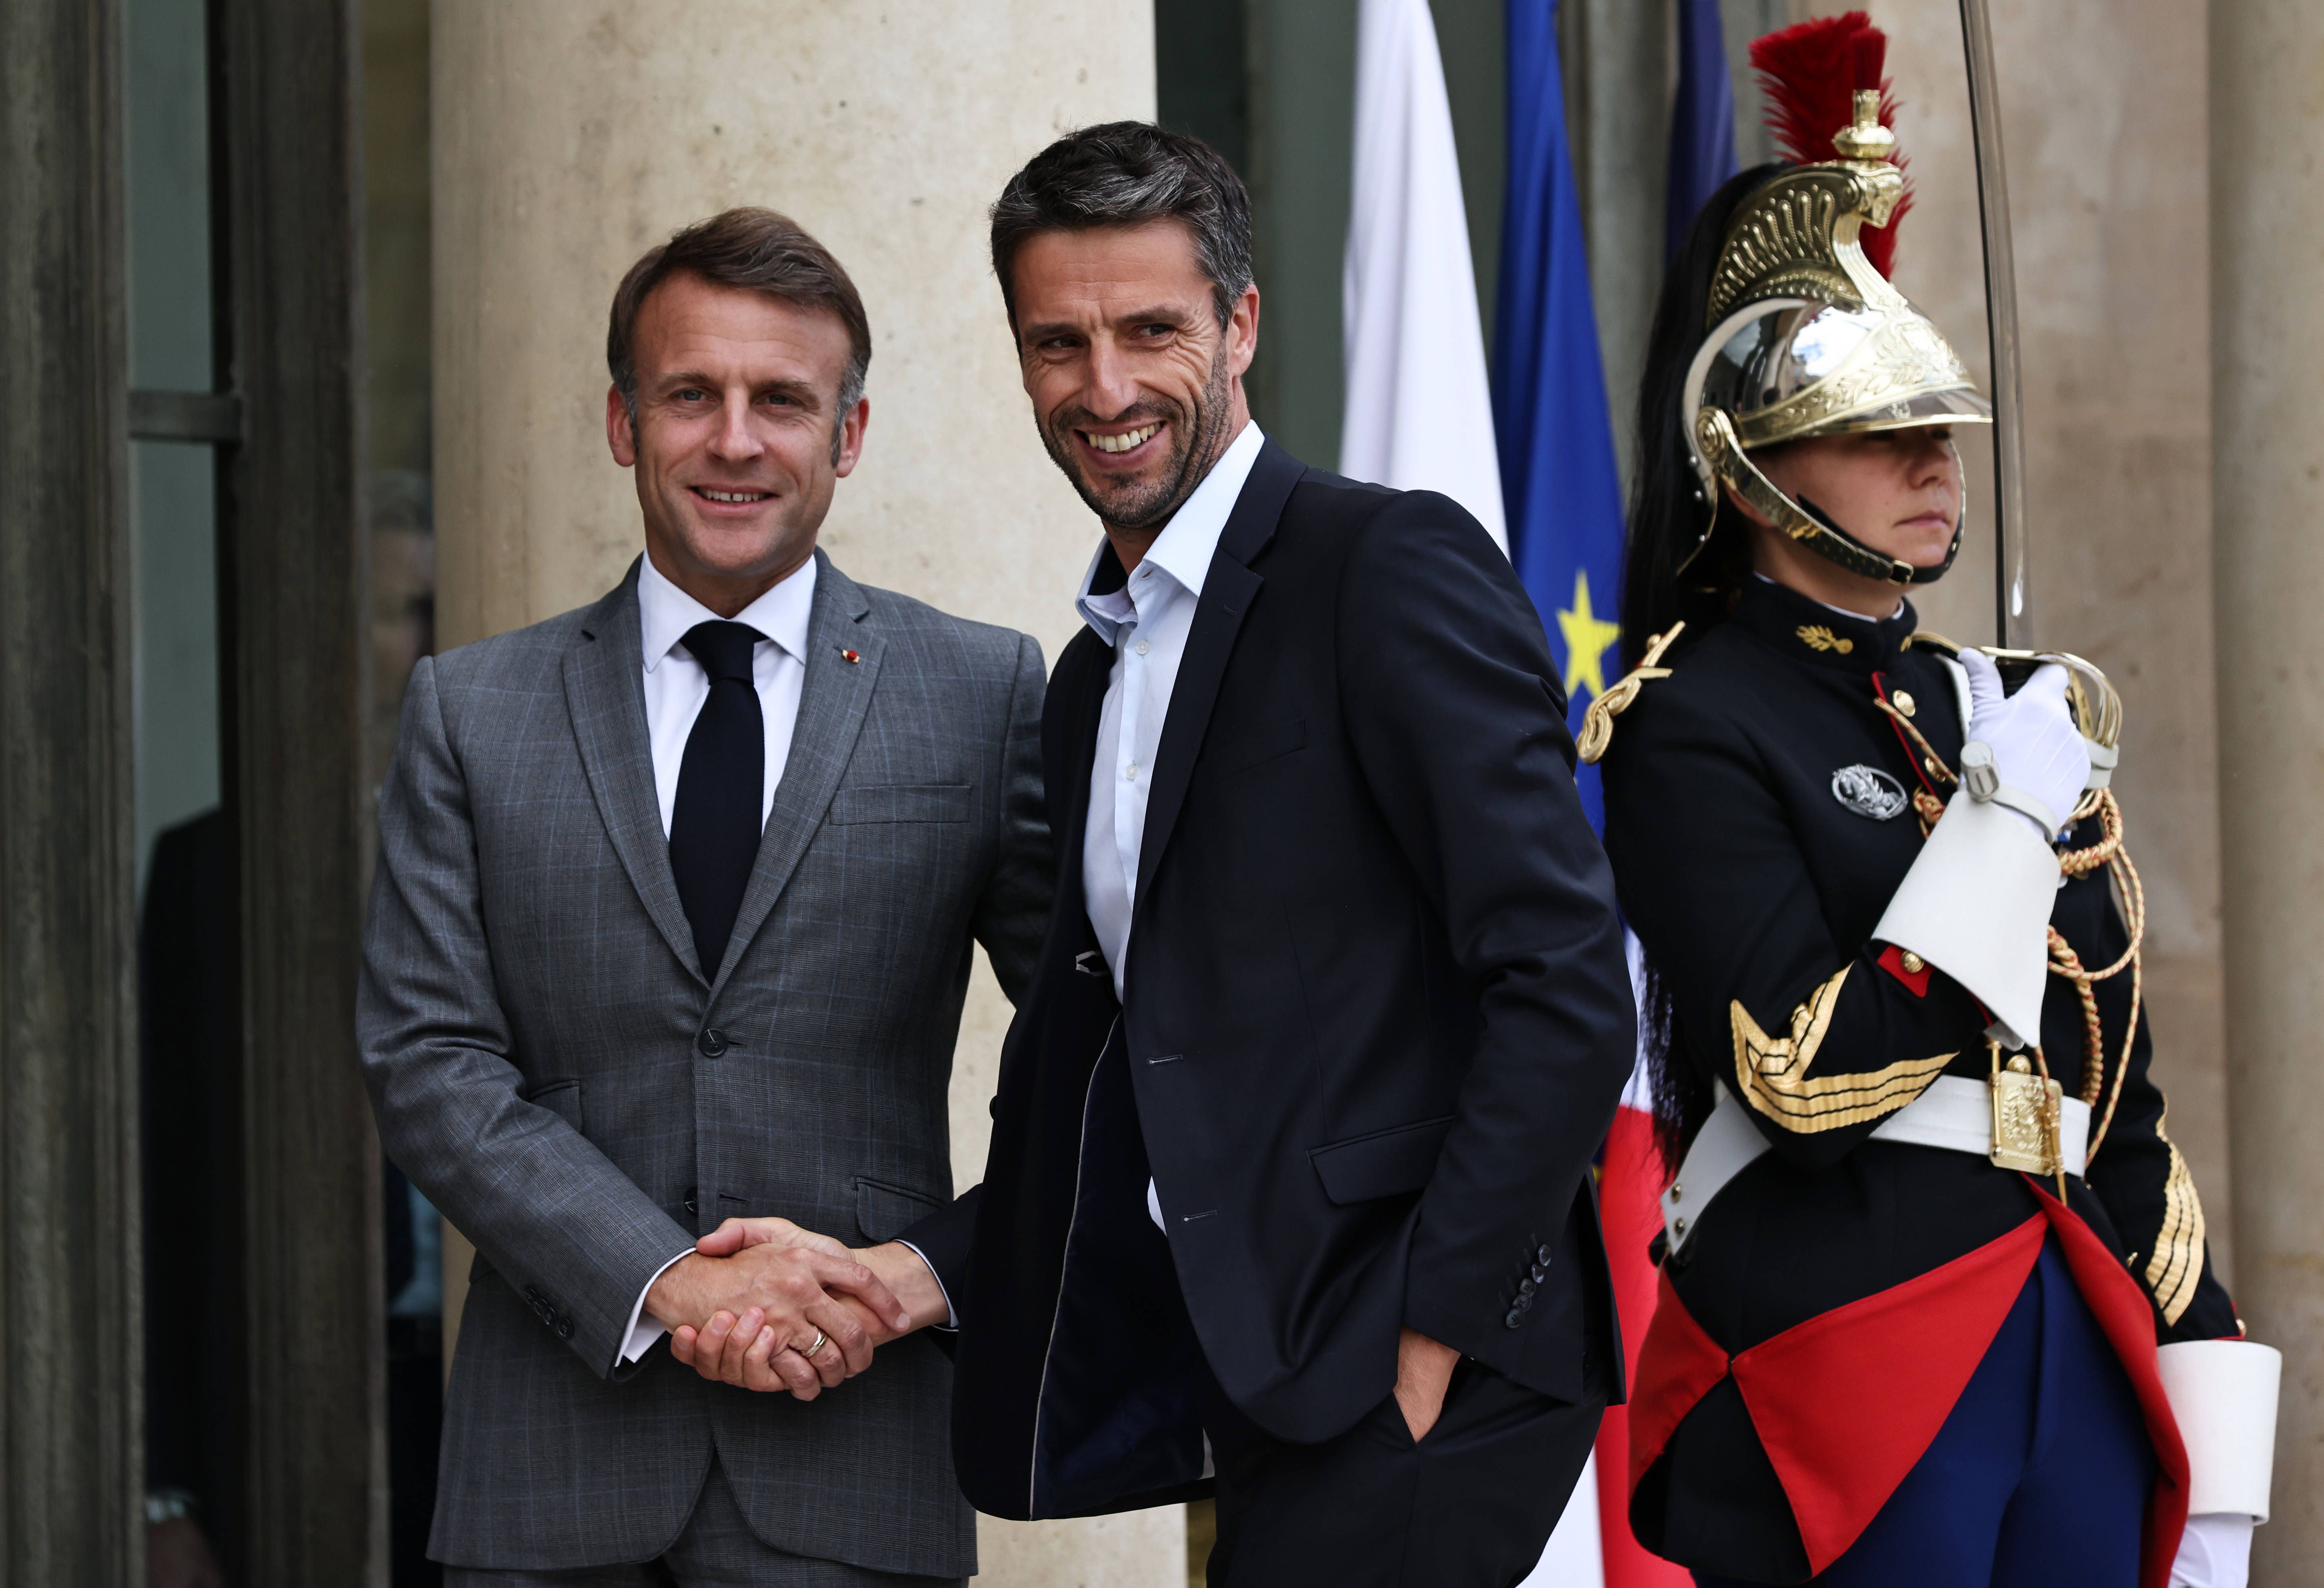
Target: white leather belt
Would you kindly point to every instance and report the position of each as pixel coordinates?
(1955, 1112)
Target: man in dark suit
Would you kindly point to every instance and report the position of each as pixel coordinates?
(674, 918)
(1290, 1165)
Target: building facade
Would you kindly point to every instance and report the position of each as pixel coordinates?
(302, 312)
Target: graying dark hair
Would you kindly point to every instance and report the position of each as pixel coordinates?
(1126, 173)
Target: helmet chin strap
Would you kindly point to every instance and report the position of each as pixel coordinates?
(1856, 551)
(1801, 519)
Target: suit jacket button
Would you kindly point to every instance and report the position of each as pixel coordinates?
(693, 1201)
(1543, 1255)
(1524, 1288)
(565, 1328)
(1516, 1316)
(1540, 1272)
(713, 1042)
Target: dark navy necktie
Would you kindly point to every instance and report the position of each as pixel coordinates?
(715, 822)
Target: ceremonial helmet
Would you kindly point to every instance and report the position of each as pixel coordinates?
(1804, 335)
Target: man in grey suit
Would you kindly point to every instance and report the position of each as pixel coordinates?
(673, 923)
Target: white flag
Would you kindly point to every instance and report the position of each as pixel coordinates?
(1419, 412)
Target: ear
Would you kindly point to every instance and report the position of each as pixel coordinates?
(1751, 515)
(618, 436)
(851, 438)
(1242, 331)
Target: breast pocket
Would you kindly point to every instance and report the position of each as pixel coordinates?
(1262, 741)
(899, 802)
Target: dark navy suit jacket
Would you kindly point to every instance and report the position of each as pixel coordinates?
(1377, 1017)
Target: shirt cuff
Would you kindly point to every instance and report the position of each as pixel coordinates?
(644, 1331)
(951, 1318)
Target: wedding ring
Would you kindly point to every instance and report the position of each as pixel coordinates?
(821, 1339)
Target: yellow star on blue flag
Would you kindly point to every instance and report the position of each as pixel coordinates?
(1588, 638)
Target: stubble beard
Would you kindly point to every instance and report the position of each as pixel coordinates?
(1200, 436)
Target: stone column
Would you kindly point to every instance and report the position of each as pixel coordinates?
(2267, 328)
(568, 139)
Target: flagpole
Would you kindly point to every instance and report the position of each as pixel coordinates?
(2009, 529)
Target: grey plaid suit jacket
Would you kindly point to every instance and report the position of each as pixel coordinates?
(552, 1069)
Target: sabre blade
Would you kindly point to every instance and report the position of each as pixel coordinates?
(2011, 619)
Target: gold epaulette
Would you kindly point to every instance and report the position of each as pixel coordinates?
(1928, 640)
(1598, 719)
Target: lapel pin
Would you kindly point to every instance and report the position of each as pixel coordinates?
(850, 656)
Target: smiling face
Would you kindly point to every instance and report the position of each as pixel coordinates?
(1899, 492)
(734, 444)
(1135, 386)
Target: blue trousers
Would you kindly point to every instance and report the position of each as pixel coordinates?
(2038, 1478)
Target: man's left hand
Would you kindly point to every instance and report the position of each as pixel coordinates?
(1423, 1372)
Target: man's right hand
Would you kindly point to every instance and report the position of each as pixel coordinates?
(780, 1296)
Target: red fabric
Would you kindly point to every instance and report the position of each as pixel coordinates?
(1847, 1402)
(1892, 960)
(1842, 1425)
(1630, 1193)
(2128, 1316)
(1680, 1365)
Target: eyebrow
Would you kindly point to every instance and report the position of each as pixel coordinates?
(804, 390)
(1164, 312)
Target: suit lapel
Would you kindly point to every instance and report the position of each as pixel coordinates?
(605, 693)
(1069, 724)
(833, 702)
(1228, 590)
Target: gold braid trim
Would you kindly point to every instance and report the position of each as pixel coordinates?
(1598, 716)
(1771, 1072)
(2177, 1265)
(2108, 851)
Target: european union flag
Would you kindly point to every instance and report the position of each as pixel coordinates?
(1558, 479)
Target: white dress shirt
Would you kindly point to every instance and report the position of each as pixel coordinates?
(676, 685)
(1145, 622)
(675, 688)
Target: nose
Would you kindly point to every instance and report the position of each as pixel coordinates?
(1934, 461)
(1112, 388)
(736, 442)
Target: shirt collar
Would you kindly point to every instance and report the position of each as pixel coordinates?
(665, 612)
(1183, 550)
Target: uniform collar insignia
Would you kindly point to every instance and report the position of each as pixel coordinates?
(1813, 632)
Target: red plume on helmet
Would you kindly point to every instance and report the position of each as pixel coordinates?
(1810, 74)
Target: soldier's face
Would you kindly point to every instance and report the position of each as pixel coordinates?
(1135, 386)
(738, 443)
(1899, 492)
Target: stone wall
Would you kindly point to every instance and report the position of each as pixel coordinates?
(568, 138)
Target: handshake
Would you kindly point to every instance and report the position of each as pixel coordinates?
(762, 1304)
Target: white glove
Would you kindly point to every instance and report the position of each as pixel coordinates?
(2214, 1552)
(2036, 748)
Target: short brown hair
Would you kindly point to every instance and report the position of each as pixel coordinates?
(755, 249)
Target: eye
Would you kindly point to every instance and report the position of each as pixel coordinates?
(688, 395)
